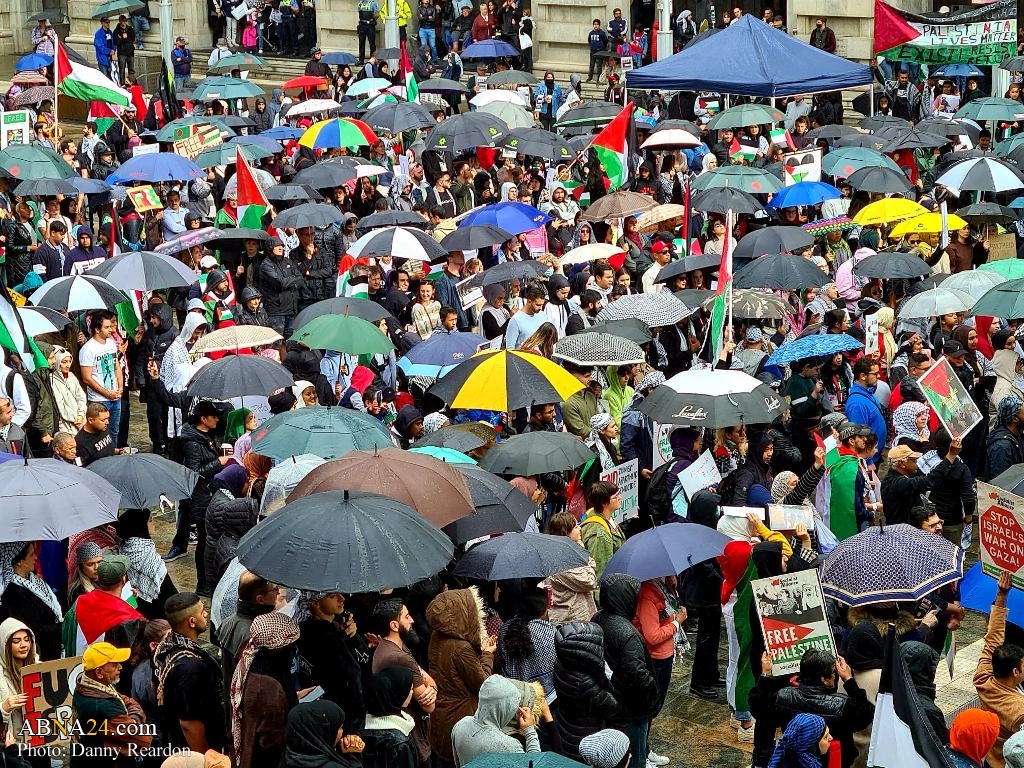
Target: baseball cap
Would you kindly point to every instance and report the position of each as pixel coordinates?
(98, 654)
(112, 570)
(901, 452)
(207, 262)
(104, 18)
(660, 247)
(954, 349)
(848, 429)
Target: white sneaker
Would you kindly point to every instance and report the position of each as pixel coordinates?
(745, 735)
(656, 759)
(652, 765)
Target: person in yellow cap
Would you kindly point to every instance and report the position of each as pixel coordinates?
(96, 700)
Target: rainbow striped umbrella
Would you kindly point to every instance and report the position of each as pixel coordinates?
(338, 132)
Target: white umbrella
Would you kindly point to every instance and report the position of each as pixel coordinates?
(715, 398)
(283, 478)
(514, 116)
(670, 139)
(585, 254)
(312, 107)
(496, 95)
(935, 302)
(974, 282)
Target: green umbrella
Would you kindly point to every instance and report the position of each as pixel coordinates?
(745, 114)
(225, 88)
(447, 455)
(243, 61)
(343, 333)
(224, 154)
(115, 8)
(1011, 269)
(25, 161)
(1005, 300)
(182, 127)
(990, 108)
(756, 181)
(848, 160)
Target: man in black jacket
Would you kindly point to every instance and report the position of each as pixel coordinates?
(633, 679)
(160, 334)
(954, 492)
(1005, 447)
(279, 280)
(319, 270)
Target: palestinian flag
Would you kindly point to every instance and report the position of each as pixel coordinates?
(738, 573)
(902, 736)
(743, 151)
(780, 136)
(612, 145)
(104, 115)
(979, 34)
(252, 203)
(723, 291)
(85, 83)
(412, 90)
(13, 337)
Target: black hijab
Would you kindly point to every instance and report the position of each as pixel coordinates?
(555, 284)
(864, 649)
(310, 736)
(767, 558)
(388, 691)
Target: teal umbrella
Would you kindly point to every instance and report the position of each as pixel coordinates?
(25, 161)
(524, 760)
(990, 108)
(225, 88)
(243, 61)
(224, 154)
(447, 455)
(1011, 269)
(115, 8)
(756, 181)
(846, 161)
(319, 430)
(1005, 300)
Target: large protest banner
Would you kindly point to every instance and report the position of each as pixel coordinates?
(49, 687)
(980, 35)
(1001, 532)
(791, 610)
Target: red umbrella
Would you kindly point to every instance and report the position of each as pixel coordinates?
(304, 81)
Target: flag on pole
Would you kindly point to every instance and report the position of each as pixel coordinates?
(723, 291)
(737, 602)
(168, 96)
(85, 83)
(612, 145)
(104, 115)
(252, 203)
(13, 337)
(412, 90)
(902, 736)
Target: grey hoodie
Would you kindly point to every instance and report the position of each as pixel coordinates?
(482, 733)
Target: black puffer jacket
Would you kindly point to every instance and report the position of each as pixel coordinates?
(633, 680)
(227, 520)
(280, 280)
(701, 586)
(242, 314)
(586, 701)
(388, 748)
(156, 340)
(199, 453)
(320, 274)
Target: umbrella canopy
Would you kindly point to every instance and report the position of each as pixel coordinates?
(238, 376)
(227, 154)
(986, 213)
(242, 61)
(535, 453)
(338, 132)
(321, 431)
(584, 254)
(400, 242)
(914, 138)
(845, 161)
(926, 223)
(440, 353)
(515, 218)
(527, 759)
(756, 181)
(194, 237)
(671, 139)
(505, 380)
(289, 193)
(32, 96)
(25, 161)
(312, 107)
(489, 49)
(655, 219)
(143, 478)
(890, 563)
(832, 132)
(222, 87)
(49, 500)
(520, 556)
(399, 117)
(598, 349)
(589, 113)
(234, 338)
(328, 174)
(816, 345)
(989, 108)
(77, 293)
(878, 122)
(343, 333)
(303, 81)
(115, 8)
(343, 305)
(40, 320)
(544, 144)
(654, 309)
(338, 541)
(442, 85)
(33, 61)
(974, 282)
(758, 304)
(367, 86)
(284, 477)
(1004, 300)
(447, 455)
(309, 215)
(508, 270)
(512, 77)
(983, 174)
(743, 115)
(467, 131)
(936, 301)
(156, 167)
(434, 489)
(391, 219)
(630, 328)
(499, 506)
(41, 187)
(667, 550)
(144, 271)
(1008, 268)
(722, 199)
(473, 237)
(887, 210)
(804, 193)
(881, 179)
(458, 437)
(714, 398)
(892, 265)
(772, 240)
(619, 204)
(779, 271)
(494, 95)
(512, 115)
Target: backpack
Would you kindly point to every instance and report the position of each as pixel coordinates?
(31, 386)
(658, 500)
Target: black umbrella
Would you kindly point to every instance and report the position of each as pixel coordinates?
(877, 122)
(500, 506)
(237, 121)
(535, 453)
(368, 310)
(914, 138)
(327, 174)
(673, 269)
(950, 127)
(832, 132)
(238, 376)
(309, 215)
(88, 186)
(772, 240)
(987, 213)
(694, 297)
(866, 140)
(341, 541)
(467, 131)
(508, 270)
(544, 144)
(589, 112)
(442, 85)
(512, 77)
(143, 478)
(472, 237)
(288, 193)
(780, 272)
(388, 53)
(630, 328)
(722, 199)
(879, 179)
(676, 124)
(1013, 64)
(397, 117)
(391, 219)
(892, 265)
(521, 556)
(42, 187)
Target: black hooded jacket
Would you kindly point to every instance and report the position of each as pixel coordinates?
(156, 340)
(242, 314)
(753, 472)
(586, 701)
(702, 583)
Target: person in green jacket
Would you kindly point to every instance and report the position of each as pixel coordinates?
(600, 533)
(804, 390)
(619, 394)
(847, 508)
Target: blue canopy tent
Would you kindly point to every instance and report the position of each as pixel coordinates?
(750, 58)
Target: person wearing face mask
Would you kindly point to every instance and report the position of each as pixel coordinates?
(547, 99)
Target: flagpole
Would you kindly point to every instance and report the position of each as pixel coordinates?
(56, 85)
(729, 223)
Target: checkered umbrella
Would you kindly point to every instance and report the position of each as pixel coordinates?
(654, 309)
(598, 349)
(889, 563)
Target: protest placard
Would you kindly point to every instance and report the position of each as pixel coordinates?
(949, 399)
(791, 610)
(203, 137)
(627, 477)
(49, 687)
(144, 198)
(17, 128)
(469, 295)
(1001, 532)
(786, 517)
(662, 447)
(700, 474)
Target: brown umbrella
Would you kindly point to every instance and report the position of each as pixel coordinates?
(619, 204)
(29, 77)
(34, 96)
(436, 490)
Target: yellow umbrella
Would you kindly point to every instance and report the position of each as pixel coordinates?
(889, 209)
(927, 223)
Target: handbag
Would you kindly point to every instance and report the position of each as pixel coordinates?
(525, 41)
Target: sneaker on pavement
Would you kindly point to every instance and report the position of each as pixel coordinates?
(174, 554)
(656, 759)
(745, 735)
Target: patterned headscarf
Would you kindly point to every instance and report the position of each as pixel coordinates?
(904, 419)
(799, 744)
(1008, 407)
(433, 422)
(780, 485)
(271, 631)
(651, 380)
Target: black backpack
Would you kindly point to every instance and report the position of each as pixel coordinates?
(658, 499)
(31, 385)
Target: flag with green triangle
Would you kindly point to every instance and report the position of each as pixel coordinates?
(723, 291)
(252, 202)
(612, 145)
(13, 336)
(412, 90)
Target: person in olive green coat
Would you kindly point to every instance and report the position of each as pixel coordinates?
(600, 533)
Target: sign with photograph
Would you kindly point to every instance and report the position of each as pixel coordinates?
(627, 477)
(469, 295)
(791, 610)
(17, 128)
(144, 198)
(949, 399)
(786, 517)
(1001, 532)
(49, 687)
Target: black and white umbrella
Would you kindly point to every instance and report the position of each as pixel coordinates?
(144, 271)
(982, 174)
(400, 242)
(772, 240)
(654, 309)
(473, 237)
(78, 293)
(309, 215)
(598, 349)
(40, 320)
(713, 398)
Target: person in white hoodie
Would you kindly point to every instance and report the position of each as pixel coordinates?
(17, 650)
(484, 733)
(68, 395)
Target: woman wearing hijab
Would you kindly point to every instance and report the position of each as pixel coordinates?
(619, 393)
(1008, 367)
(804, 743)
(495, 315)
(910, 422)
(146, 569)
(603, 433)
(388, 729)
(305, 394)
(314, 738)
(68, 395)
(972, 734)
(756, 470)
(87, 558)
(922, 661)
(229, 516)
(865, 654)
(28, 598)
(557, 308)
(262, 691)
(240, 421)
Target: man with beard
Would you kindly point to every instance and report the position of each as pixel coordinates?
(86, 255)
(394, 623)
(261, 118)
(586, 315)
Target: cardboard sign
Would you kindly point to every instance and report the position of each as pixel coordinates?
(700, 475)
(203, 137)
(49, 687)
(949, 399)
(871, 335)
(144, 198)
(17, 128)
(662, 447)
(627, 477)
(259, 406)
(1002, 246)
(791, 610)
(804, 165)
(1001, 532)
(626, 63)
(743, 511)
(145, 149)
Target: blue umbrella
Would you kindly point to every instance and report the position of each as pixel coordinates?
(514, 218)
(804, 193)
(33, 61)
(818, 345)
(338, 58)
(160, 166)
(282, 133)
(958, 70)
(489, 49)
(440, 353)
(978, 592)
(667, 550)
(88, 186)
(261, 140)
(521, 556)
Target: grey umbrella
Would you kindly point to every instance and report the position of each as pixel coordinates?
(238, 376)
(144, 477)
(459, 438)
(309, 215)
(473, 237)
(535, 453)
(520, 556)
(598, 349)
(368, 310)
(49, 500)
(772, 240)
(631, 328)
(341, 541)
(883, 180)
(144, 271)
(287, 193)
